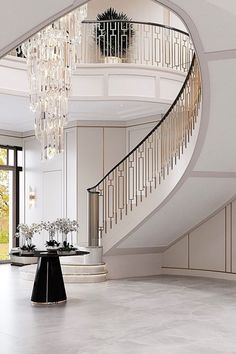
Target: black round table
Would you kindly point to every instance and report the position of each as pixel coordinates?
(49, 285)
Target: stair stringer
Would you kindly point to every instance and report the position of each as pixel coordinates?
(150, 204)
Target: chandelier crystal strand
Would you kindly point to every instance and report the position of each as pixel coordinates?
(51, 56)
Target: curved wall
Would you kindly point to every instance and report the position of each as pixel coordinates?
(138, 10)
(101, 81)
(134, 91)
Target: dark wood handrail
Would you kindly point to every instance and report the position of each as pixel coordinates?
(155, 128)
(140, 23)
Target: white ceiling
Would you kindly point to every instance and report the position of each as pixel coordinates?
(19, 17)
(15, 114)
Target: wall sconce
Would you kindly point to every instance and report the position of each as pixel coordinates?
(32, 197)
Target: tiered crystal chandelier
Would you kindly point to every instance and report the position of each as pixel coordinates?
(51, 56)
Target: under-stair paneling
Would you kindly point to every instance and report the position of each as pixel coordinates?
(233, 236)
(207, 244)
(177, 254)
(211, 248)
(114, 147)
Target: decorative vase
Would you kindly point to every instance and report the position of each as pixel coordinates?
(64, 237)
(26, 252)
(51, 235)
(52, 248)
(29, 241)
(66, 252)
(112, 60)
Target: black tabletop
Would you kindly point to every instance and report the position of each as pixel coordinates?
(46, 253)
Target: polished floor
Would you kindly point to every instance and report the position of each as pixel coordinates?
(154, 315)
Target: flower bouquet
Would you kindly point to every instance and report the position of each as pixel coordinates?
(26, 233)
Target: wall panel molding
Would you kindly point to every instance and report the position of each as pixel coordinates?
(211, 247)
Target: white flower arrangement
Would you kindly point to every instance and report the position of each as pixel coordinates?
(28, 231)
(66, 225)
(62, 226)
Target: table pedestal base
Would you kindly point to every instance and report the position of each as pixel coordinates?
(48, 284)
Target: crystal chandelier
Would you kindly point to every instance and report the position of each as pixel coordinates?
(51, 56)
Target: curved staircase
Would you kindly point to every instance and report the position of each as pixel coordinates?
(142, 181)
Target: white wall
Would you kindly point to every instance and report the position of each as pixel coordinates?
(138, 10)
(61, 184)
(10, 138)
(45, 179)
(99, 149)
(133, 265)
(90, 171)
(136, 133)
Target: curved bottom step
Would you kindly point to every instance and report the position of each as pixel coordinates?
(72, 274)
(92, 278)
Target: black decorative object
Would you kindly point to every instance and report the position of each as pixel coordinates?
(19, 52)
(67, 247)
(28, 249)
(48, 284)
(52, 245)
(114, 33)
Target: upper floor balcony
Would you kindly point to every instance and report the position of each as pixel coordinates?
(125, 69)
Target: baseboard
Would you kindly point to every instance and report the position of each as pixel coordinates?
(198, 273)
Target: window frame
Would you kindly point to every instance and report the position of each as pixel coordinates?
(15, 188)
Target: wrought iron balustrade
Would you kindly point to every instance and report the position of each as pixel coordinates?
(135, 42)
(132, 42)
(148, 164)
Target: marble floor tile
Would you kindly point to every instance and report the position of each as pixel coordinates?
(152, 315)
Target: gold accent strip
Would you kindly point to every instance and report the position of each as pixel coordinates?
(48, 303)
(231, 236)
(199, 269)
(188, 251)
(103, 151)
(225, 221)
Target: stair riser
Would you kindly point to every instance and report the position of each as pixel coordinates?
(72, 274)
(83, 269)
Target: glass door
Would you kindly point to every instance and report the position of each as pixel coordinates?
(10, 168)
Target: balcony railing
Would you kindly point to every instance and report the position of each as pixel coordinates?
(148, 164)
(133, 42)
